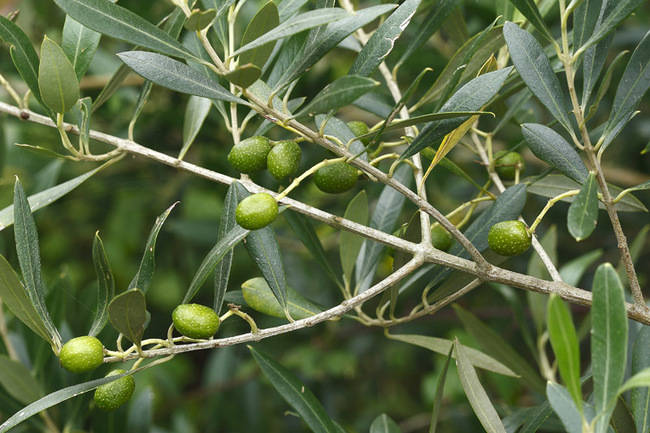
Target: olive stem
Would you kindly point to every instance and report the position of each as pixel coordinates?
(551, 202)
(11, 91)
(247, 318)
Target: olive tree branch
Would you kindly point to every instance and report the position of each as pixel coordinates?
(430, 255)
(568, 60)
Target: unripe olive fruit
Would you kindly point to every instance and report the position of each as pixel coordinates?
(506, 164)
(336, 178)
(82, 354)
(284, 159)
(114, 394)
(256, 211)
(440, 238)
(359, 128)
(249, 155)
(509, 238)
(195, 320)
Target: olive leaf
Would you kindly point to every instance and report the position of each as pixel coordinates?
(128, 314)
(57, 79)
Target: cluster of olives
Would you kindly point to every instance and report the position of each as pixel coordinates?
(83, 354)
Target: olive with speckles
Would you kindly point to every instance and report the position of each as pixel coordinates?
(284, 159)
(359, 128)
(195, 321)
(249, 155)
(82, 354)
(336, 178)
(509, 238)
(256, 211)
(114, 394)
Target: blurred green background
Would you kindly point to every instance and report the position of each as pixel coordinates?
(355, 371)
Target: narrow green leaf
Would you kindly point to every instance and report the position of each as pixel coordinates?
(139, 418)
(384, 424)
(57, 397)
(640, 397)
(556, 184)
(583, 212)
(585, 18)
(384, 217)
(23, 54)
(18, 381)
(105, 283)
(494, 345)
(297, 24)
(142, 278)
(120, 23)
(382, 41)
(620, 10)
(46, 197)
(552, 148)
(440, 389)
(258, 295)
(216, 254)
(244, 75)
(314, 49)
(175, 75)
(226, 224)
(565, 408)
(639, 380)
(535, 69)
(466, 62)
(303, 228)
(608, 341)
(475, 393)
(562, 334)
(350, 243)
(80, 44)
(295, 393)
(471, 97)
(196, 112)
(535, 420)
(57, 79)
(429, 26)
(287, 8)
(29, 257)
(338, 93)
(572, 271)
(589, 82)
(128, 314)
(14, 296)
(443, 347)
(633, 85)
(265, 20)
(528, 8)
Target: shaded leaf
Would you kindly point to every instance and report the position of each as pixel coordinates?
(535, 69)
(572, 271)
(338, 93)
(198, 19)
(105, 286)
(18, 381)
(494, 345)
(196, 112)
(620, 10)
(583, 212)
(585, 19)
(475, 393)
(443, 347)
(244, 75)
(384, 424)
(608, 341)
(226, 224)
(471, 97)
(175, 75)
(350, 243)
(552, 148)
(29, 257)
(46, 197)
(14, 296)
(57, 79)
(265, 20)
(340, 130)
(440, 388)
(528, 8)
(562, 334)
(142, 278)
(564, 407)
(382, 41)
(295, 393)
(640, 397)
(120, 23)
(128, 314)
